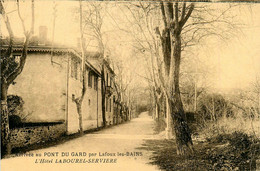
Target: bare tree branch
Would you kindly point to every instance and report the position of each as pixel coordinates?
(6, 58)
(23, 57)
(182, 23)
(19, 14)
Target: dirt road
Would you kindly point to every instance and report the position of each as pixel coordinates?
(115, 148)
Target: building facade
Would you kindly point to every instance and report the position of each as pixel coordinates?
(49, 83)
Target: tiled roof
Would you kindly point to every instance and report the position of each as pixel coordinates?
(39, 48)
(49, 49)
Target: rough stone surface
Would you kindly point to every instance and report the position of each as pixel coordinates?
(30, 135)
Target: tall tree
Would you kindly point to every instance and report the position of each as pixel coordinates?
(93, 22)
(183, 26)
(80, 99)
(11, 67)
(174, 20)
(149, 47)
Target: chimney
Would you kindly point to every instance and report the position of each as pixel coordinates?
(42, 35)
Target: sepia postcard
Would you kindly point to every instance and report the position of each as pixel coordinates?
(130, 85)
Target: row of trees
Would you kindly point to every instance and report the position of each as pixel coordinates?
(164, 34)
(90, 19)
(167, 34)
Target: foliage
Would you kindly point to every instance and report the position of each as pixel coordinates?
(15, 107)
(214, 106)
(235, 151)
(14, 121)
(141, 108)
(15, 104)
(17, 115)
(160, 125)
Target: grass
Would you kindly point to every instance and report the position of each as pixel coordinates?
(247, 126)
(235, 151)
(226, 145)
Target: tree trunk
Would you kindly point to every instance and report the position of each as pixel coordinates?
(11, 73)
(103, 93)
(79, 110)
(169, 120)
(157, 112)
(182, 131)
(171, 48)
(116, 113)
(213, 109)
(80, 99)
(195, 96)
(5, 132)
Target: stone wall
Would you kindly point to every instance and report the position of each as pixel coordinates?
(25, 136)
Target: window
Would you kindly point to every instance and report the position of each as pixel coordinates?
(110, 82)
(74, 69)
(90, 79)
(106, 104)
(107, 79)
(95, 82)
(17, 58)
(110, 105)
(89, 102)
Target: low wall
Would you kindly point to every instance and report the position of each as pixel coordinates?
(20, 137)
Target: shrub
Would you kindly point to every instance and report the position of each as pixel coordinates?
(160, 125)
(14, 121)
(214, 106)
(15, 105)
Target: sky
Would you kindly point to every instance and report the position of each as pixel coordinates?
(236, 61)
